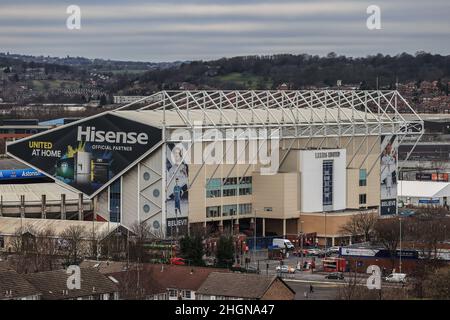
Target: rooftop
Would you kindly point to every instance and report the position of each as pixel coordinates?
(10, 164)
(34, 192)
(53, 284)
(10, 226)
(242, 285)
(157, 278)
(423, 189)
(14, 285)
(351, 110)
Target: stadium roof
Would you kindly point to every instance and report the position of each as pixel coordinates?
(10, 226)
(34, 192)
(250, 116)
(303, 113)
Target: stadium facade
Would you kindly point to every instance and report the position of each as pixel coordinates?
(283, 162)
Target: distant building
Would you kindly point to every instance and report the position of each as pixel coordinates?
(13, 129)
(130, 99)
(58, 121)
(424, 193)
(243, 286)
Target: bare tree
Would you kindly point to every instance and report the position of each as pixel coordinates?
(45, 250)
(73, 244)
(356, 289)
(360, 224)
(141, 233)
(427, 230)
(437, 284)
(387, 233)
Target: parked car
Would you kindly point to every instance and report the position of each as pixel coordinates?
(333, 250)
(285, 269)
(396, 278)
(315, 252)
(177, 261)
(335, 276)
(252, 269)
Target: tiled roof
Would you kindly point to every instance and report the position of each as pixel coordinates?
(53, 284)
(157, 278)
(14, 285)
(242, 285)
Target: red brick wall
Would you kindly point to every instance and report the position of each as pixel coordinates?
(278, 291)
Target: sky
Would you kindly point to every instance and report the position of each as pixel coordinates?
(171, 30)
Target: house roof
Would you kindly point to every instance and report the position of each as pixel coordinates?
(423, 189)
(14, 285)
(106, 267)
(5, 265)
(242, 285)
(53, 284)
(157, 278)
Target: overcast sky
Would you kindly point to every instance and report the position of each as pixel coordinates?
(171, 30)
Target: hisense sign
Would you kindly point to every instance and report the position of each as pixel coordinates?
(91, 134)
(87, 155)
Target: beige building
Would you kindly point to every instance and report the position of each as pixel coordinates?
(280, 163)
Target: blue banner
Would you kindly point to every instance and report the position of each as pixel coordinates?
(20, 174)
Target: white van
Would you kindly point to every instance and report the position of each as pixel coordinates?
(396, 277)
(283, 244)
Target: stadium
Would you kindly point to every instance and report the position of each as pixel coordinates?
(270, 162)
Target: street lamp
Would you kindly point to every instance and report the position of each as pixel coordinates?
(254, 239)
(301, 245)
(400, 264)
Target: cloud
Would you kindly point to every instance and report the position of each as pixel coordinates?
(175, 29)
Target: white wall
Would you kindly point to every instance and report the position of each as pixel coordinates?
(311, 162)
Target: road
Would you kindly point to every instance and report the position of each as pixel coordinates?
(300, 281)
(322, 291)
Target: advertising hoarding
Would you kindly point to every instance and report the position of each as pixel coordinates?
(177, 182)
(20, 174)
(86, 155)
(388, 175)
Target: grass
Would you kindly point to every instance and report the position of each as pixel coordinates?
(248, 80)
(39, 85)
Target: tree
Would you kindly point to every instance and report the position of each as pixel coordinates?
(103, 100)
(427, 230)
(360, 224)
(141, 233)
(73, 238)
(192, 249)
(387, 232)
(437, 285)
(225, 251)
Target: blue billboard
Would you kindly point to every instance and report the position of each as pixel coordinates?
(16, 174)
